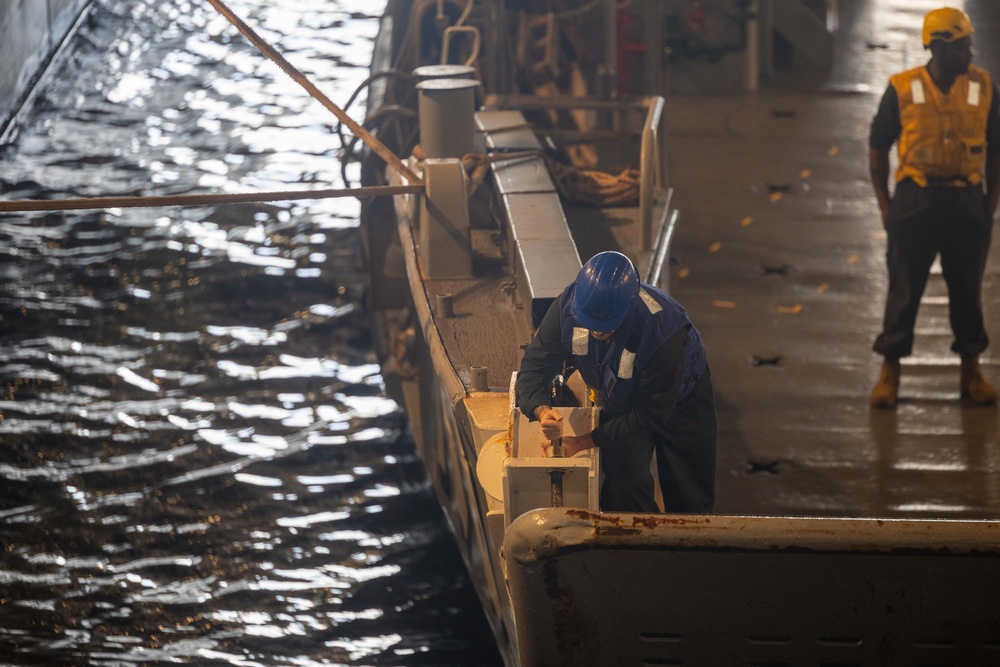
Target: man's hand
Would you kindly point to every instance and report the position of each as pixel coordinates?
(550, 421)
(572, 445)
(883, 207)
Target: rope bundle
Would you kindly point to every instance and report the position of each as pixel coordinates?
(596, 188)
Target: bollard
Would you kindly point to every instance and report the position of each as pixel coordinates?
(479, 378)
(447, 117)
(445, 306)
(428, 72)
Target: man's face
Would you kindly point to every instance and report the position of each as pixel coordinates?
(602, 335)
(957, 56)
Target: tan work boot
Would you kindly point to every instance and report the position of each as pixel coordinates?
(974, 385)
(885, 393)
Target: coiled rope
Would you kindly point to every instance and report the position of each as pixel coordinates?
(596, 188)
(377, 146)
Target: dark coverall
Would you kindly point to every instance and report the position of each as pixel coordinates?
(945, 217)
(683, 436)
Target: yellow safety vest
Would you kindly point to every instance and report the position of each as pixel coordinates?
(944, 135)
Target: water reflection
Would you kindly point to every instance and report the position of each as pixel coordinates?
(199, 463)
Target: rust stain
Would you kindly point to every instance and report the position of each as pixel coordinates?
(617, 531)
(620, 524)
(571, 627)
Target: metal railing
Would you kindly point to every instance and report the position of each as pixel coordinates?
(652, 166)
(661, 252)
(653, 151)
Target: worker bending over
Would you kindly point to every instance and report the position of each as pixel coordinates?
(636, 347)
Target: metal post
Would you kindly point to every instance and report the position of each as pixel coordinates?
(447, 117)
(480, 378)
(428, 72)
(557, 475)
(753, 47)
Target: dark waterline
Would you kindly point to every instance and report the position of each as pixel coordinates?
(198, 464)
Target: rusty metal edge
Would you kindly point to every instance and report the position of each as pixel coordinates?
(544, 534)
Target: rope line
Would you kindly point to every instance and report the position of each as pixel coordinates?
(289, 69)
(23, 205)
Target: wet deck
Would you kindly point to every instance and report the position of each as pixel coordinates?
(780, 261)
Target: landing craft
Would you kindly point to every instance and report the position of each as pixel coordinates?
(540, 137)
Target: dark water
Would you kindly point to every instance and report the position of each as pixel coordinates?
(198, 464)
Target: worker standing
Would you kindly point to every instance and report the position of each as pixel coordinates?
(944, 117)
(635, 346)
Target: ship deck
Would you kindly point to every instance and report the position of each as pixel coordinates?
(779, 259)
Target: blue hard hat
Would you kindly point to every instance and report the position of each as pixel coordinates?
(606, 288)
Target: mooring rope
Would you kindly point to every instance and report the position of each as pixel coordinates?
(201, 200)
(376, 145)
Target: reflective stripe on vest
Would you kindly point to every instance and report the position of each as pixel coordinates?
(943, 136)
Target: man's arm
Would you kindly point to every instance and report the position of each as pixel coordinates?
(885, 129)
(541, 361)
(878, 167)
(992, 182)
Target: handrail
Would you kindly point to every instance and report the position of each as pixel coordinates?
(652, 155)
(561, 103)
(668, 225)
(652, 170)
(451, 30)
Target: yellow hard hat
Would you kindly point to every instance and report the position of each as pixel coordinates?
(946, 24)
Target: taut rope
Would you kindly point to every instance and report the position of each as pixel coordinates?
(376, 145)
(200, 200)
(24, 205)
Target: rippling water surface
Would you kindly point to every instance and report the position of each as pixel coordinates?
(198, 464)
